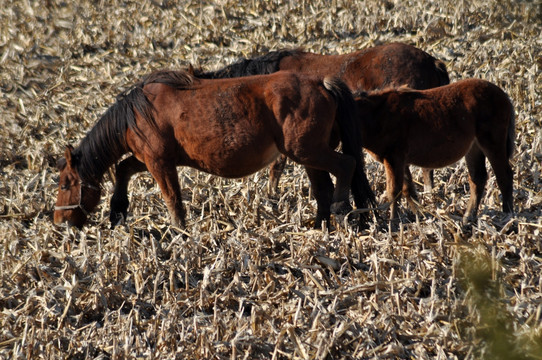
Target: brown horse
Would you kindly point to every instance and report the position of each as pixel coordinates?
(437, 127)
(230, 128)
(393, 64)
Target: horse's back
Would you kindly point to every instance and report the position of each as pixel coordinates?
(313, 64)
(393, 64)
(481, 98)
(372, 68)
(481, 87)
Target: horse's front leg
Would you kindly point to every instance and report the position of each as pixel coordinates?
(395, 169)
(119, 201)
(165, 174)
(322, 188)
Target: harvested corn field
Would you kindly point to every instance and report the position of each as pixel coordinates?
(248, 277)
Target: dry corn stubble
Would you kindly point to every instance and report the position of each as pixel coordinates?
(251, 281)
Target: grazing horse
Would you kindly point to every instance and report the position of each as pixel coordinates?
(229, 127)
(437, 127)
(393, 64)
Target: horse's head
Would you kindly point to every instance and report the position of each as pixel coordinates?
(76, 198)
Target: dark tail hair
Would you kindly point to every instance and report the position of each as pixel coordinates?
(511, 132)
(348, 121)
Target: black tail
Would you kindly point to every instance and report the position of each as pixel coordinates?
(348, 121)
(511, 132)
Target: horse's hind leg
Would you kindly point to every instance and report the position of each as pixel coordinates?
(341, 195)
(165, 174)
(428, 179)
(409, 191)
(476, 165)
(119, 201)
(327, 160)
(275, 171)
(505, 178)
(322, 188)
(395, 170)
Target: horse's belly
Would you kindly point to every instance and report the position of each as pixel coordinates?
(236, 163)
(440, 154)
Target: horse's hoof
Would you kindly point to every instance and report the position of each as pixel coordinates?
(117, 218)
(394, 224)
(341, 207)
(178, 222)
(469, 220)
(321, 218)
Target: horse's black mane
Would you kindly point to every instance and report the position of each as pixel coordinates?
(265, 64)
(106, 141)
(177, 79)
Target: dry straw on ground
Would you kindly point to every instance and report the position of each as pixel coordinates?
(251, 280)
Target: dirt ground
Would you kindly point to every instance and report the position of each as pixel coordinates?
(248, 278)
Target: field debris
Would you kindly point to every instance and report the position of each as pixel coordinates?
(248, 278)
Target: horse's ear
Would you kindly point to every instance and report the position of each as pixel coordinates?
(68, 155)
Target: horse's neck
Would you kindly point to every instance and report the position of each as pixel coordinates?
(97, 153)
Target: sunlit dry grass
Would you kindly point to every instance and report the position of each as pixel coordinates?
(249, 279)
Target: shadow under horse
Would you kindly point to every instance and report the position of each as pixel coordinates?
(228, 127)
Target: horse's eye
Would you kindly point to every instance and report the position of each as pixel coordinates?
(64, 187)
